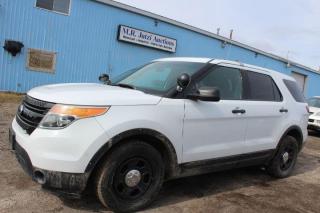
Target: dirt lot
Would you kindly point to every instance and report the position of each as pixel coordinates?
(245, 190)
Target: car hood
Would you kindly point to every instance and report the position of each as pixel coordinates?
(314, 109)
(92, 95)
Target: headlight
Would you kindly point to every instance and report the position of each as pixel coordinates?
(61, 116)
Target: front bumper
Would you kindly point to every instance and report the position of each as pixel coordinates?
(67, 150)
(58, 159)
(314, 123)
(72, 184)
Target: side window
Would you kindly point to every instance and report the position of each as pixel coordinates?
(295, 90)
(228, 80)
(61, 6)
(261, 87)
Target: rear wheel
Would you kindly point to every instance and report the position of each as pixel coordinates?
(130, 177)
(284, 161)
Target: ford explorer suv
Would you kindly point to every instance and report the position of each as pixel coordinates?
(314, 119)
(170, 118)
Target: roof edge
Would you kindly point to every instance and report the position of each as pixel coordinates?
(203, 32)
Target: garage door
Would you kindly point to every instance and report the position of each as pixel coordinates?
(301, 80)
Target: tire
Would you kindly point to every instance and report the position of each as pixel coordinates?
(284, 161)
(113, 185)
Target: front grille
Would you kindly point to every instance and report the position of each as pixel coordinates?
(31, 112)
(311, 120)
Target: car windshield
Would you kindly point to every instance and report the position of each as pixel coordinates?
(314, 102)
(158, 77)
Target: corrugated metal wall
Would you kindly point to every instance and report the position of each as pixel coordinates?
(86, 44)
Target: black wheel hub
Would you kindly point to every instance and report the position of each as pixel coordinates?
(132, 178)
(287, 157)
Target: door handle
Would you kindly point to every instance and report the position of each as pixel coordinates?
(238, 111)
(283, 110)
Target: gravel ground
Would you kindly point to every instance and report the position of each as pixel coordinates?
(243, 190)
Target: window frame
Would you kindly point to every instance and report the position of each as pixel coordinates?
(193, 85)
(247, 84)
(54, 11)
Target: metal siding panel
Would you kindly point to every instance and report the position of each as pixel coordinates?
(86, 44)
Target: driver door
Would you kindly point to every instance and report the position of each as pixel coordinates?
(215, 129)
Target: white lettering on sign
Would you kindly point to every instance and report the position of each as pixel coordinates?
(140, 37)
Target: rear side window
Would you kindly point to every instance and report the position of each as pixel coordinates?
(261, 87)
(295, 91)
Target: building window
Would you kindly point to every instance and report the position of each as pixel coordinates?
(40, 60)
(60, 6)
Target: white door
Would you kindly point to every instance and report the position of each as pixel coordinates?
(265, 112)
(215, 129)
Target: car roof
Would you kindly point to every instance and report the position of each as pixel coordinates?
(186, 59)
(222, 61)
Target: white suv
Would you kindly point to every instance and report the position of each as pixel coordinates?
(170, 118)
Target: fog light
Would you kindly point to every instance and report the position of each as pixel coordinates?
(39, 177)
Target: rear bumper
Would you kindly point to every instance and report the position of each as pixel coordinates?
(72, 184)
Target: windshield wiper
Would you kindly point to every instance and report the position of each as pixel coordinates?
(125, 86)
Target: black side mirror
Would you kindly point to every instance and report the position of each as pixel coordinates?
(105, 79)
(206, 94)
(183, 81)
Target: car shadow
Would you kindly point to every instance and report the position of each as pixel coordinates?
(314, 133)
(188, 188)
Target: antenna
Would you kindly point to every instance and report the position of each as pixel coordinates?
(231, 34)
(288, 62)
(218, 31)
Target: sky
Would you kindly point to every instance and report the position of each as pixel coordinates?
(288, 28)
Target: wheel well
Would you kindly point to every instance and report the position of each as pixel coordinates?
(166, 150)
(296, 133)
(154, 138)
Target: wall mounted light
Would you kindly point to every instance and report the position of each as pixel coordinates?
(223, 44)
(13, 47)
(288, 64)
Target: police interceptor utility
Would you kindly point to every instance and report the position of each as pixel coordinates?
(170, 118)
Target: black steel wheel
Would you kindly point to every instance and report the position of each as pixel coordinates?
(133, 178)
(130, 177)
(284, 161)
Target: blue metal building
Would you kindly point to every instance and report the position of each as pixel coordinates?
(82, 40)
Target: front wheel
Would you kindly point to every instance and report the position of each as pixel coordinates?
(130, 177)
(284, 161)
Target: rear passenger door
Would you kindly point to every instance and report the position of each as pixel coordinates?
(265, 111)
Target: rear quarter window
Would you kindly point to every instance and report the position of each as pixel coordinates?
(260, 87)
(295, 91)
